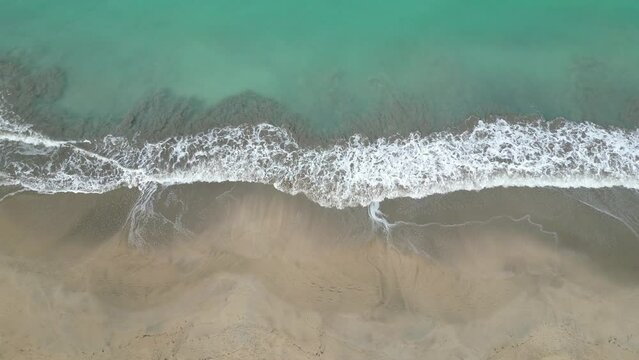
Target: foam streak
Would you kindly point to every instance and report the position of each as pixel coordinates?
(356, 172)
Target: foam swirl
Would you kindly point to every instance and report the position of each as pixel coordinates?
(355, 172)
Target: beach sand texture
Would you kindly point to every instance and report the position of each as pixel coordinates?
(271, 276)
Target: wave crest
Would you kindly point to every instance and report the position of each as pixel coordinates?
(355, 172)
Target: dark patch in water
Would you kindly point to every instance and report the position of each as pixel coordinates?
(32, 94)
(164, 114)
(158, 114)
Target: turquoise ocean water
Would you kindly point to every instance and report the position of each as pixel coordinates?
(335, 60)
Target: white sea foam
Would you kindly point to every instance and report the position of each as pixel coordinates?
(356, 172)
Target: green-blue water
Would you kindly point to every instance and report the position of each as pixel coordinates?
(334, 60)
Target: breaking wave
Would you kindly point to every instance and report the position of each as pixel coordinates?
(354, 172)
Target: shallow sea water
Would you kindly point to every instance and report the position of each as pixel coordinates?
(333, 60)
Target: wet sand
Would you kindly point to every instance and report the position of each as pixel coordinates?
(263, 275)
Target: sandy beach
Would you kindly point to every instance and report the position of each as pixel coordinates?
(271, 276)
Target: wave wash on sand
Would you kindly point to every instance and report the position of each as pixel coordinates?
(355, 172)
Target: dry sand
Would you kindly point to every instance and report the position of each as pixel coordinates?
(275, 277)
